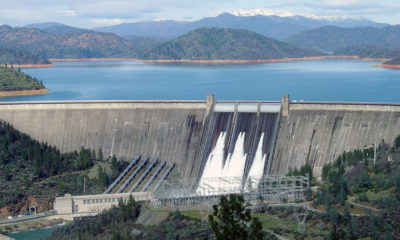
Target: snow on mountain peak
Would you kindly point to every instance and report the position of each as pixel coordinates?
(284, 13)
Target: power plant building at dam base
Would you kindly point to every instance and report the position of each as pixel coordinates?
(205, 139)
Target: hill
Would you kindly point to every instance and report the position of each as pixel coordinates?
(43, 25)
(86, 44)
(11, 80)
(331, 38)
(55, 28)
(274, 26)
(368, 52)
(12, 56)
(224, 44)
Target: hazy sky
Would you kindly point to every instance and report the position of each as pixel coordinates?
(93, 13)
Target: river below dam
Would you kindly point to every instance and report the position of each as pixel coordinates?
(314, 80)
(35, 233)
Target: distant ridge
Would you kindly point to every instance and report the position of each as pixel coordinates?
(225, 44)
(88, 44)
(43, 25)
(331, 38)
(278, 27)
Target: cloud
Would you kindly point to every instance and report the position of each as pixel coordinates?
(109, 21)
(66, 13)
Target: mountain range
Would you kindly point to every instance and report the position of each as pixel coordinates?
(277, 27)
(191, 40)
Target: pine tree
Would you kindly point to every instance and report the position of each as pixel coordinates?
(231, 220)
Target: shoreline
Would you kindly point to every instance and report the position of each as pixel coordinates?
(29, 65)
(217, 61)
(214, 61)
(91, 59)
(388, 66)
(30, 225)
(275, 60)
(18, 93)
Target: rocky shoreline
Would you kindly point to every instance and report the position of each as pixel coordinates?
(17, 93)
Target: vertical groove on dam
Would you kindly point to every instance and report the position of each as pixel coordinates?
(317, 133)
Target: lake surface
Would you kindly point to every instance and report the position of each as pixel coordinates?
(317, 80)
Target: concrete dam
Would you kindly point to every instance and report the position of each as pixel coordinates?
(210, 138)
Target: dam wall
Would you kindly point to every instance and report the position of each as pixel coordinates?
(317, 132)
(274, 135)
(168, 130)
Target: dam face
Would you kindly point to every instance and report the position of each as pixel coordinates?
(248, 138)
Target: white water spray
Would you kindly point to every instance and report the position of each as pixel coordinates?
(257, 167)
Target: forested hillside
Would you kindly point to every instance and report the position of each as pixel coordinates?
(12, 56)
(35, 173)
(11, 79)
(86, 44)
(330, 38)
(220, 43)
(368, 52)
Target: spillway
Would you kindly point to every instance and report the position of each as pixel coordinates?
(240, 144)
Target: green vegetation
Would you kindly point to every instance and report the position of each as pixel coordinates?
(83, 44)
(33, 170)
(355, 179)
(11, 79)
(330, 38)
(12, 56)
(220, 43)
(368, 52)
(231, 220)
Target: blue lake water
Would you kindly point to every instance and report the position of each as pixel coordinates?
(319, 80)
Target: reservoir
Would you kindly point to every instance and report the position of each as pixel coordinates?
(316, 80)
